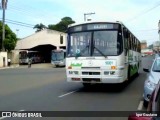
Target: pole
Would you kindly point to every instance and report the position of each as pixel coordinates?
(4, 4)
(3, 28)
(87, 14)
(84, 17)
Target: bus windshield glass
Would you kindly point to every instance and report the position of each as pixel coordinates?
(23, 55)
(56, 56)
(94, 43)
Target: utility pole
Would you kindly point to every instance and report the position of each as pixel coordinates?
(87, 14)
(3, 6)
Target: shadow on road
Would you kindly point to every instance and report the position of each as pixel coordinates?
(111, 88)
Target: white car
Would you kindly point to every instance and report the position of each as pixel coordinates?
(143, 55)
(152, 80)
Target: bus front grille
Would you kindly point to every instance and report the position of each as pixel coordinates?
(90, 73)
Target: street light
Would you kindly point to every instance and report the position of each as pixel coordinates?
(87, 14)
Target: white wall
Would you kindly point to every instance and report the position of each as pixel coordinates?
(15, 57)
(3, 55)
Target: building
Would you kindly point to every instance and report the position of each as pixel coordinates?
(159, 29)
(3, 59)
(44, 41)
(156, 46)
(143, 44)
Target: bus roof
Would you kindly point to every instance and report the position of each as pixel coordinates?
(112, 22)
(88, 22)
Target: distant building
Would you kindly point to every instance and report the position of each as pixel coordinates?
(159, 29)
(44, 41)
(143, 44)
(156, 46)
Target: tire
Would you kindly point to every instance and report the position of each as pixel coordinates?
(86, 85)
(138, 72)
(128, 73)
(145, 103)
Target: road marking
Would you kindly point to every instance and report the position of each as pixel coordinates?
(67, 94)
(140, 106)
(1, 118)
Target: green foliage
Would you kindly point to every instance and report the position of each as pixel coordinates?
(10, 38)
(39, 27)
(9, 44)
(62, 25)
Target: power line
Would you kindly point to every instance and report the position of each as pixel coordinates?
(147, 30)
(30, 11)
(19, 23)
(140, 14)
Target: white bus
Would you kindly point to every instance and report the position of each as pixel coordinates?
(58, 57)
(101, 52)
(25, 55)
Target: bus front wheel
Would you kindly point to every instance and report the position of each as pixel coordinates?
(86, 85)
(128, 76)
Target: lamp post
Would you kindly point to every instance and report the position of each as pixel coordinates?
(87, 14)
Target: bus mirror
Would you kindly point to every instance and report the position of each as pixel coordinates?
(61, 39)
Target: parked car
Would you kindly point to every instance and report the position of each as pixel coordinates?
(152, 80)
(153, 107)
(143, 54)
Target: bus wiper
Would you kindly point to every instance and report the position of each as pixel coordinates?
(100, 52)
(79, 54)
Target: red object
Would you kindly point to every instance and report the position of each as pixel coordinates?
(134, 117)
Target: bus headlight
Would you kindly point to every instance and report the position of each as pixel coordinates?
(73, 72)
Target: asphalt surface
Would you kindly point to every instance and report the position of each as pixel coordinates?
(45, 89)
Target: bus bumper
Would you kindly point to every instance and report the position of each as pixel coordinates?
(118, 79)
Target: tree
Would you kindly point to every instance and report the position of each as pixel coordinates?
(62, 25)
(39, 27)
(10, 38)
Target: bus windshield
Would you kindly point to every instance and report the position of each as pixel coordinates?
(95, 43)
(23, 55)
(56, 56)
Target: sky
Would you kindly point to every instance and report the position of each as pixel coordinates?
(140, 16)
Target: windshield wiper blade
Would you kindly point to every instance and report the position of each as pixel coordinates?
(100, 52)
(77, 55)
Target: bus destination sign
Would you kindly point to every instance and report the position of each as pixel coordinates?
(93, 26)
(99, 26)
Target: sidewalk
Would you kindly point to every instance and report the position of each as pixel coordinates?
(12, 66)
(39, 65)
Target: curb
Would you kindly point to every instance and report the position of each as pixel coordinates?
(2, 68)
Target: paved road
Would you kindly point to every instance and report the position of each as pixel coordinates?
(39, 89)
